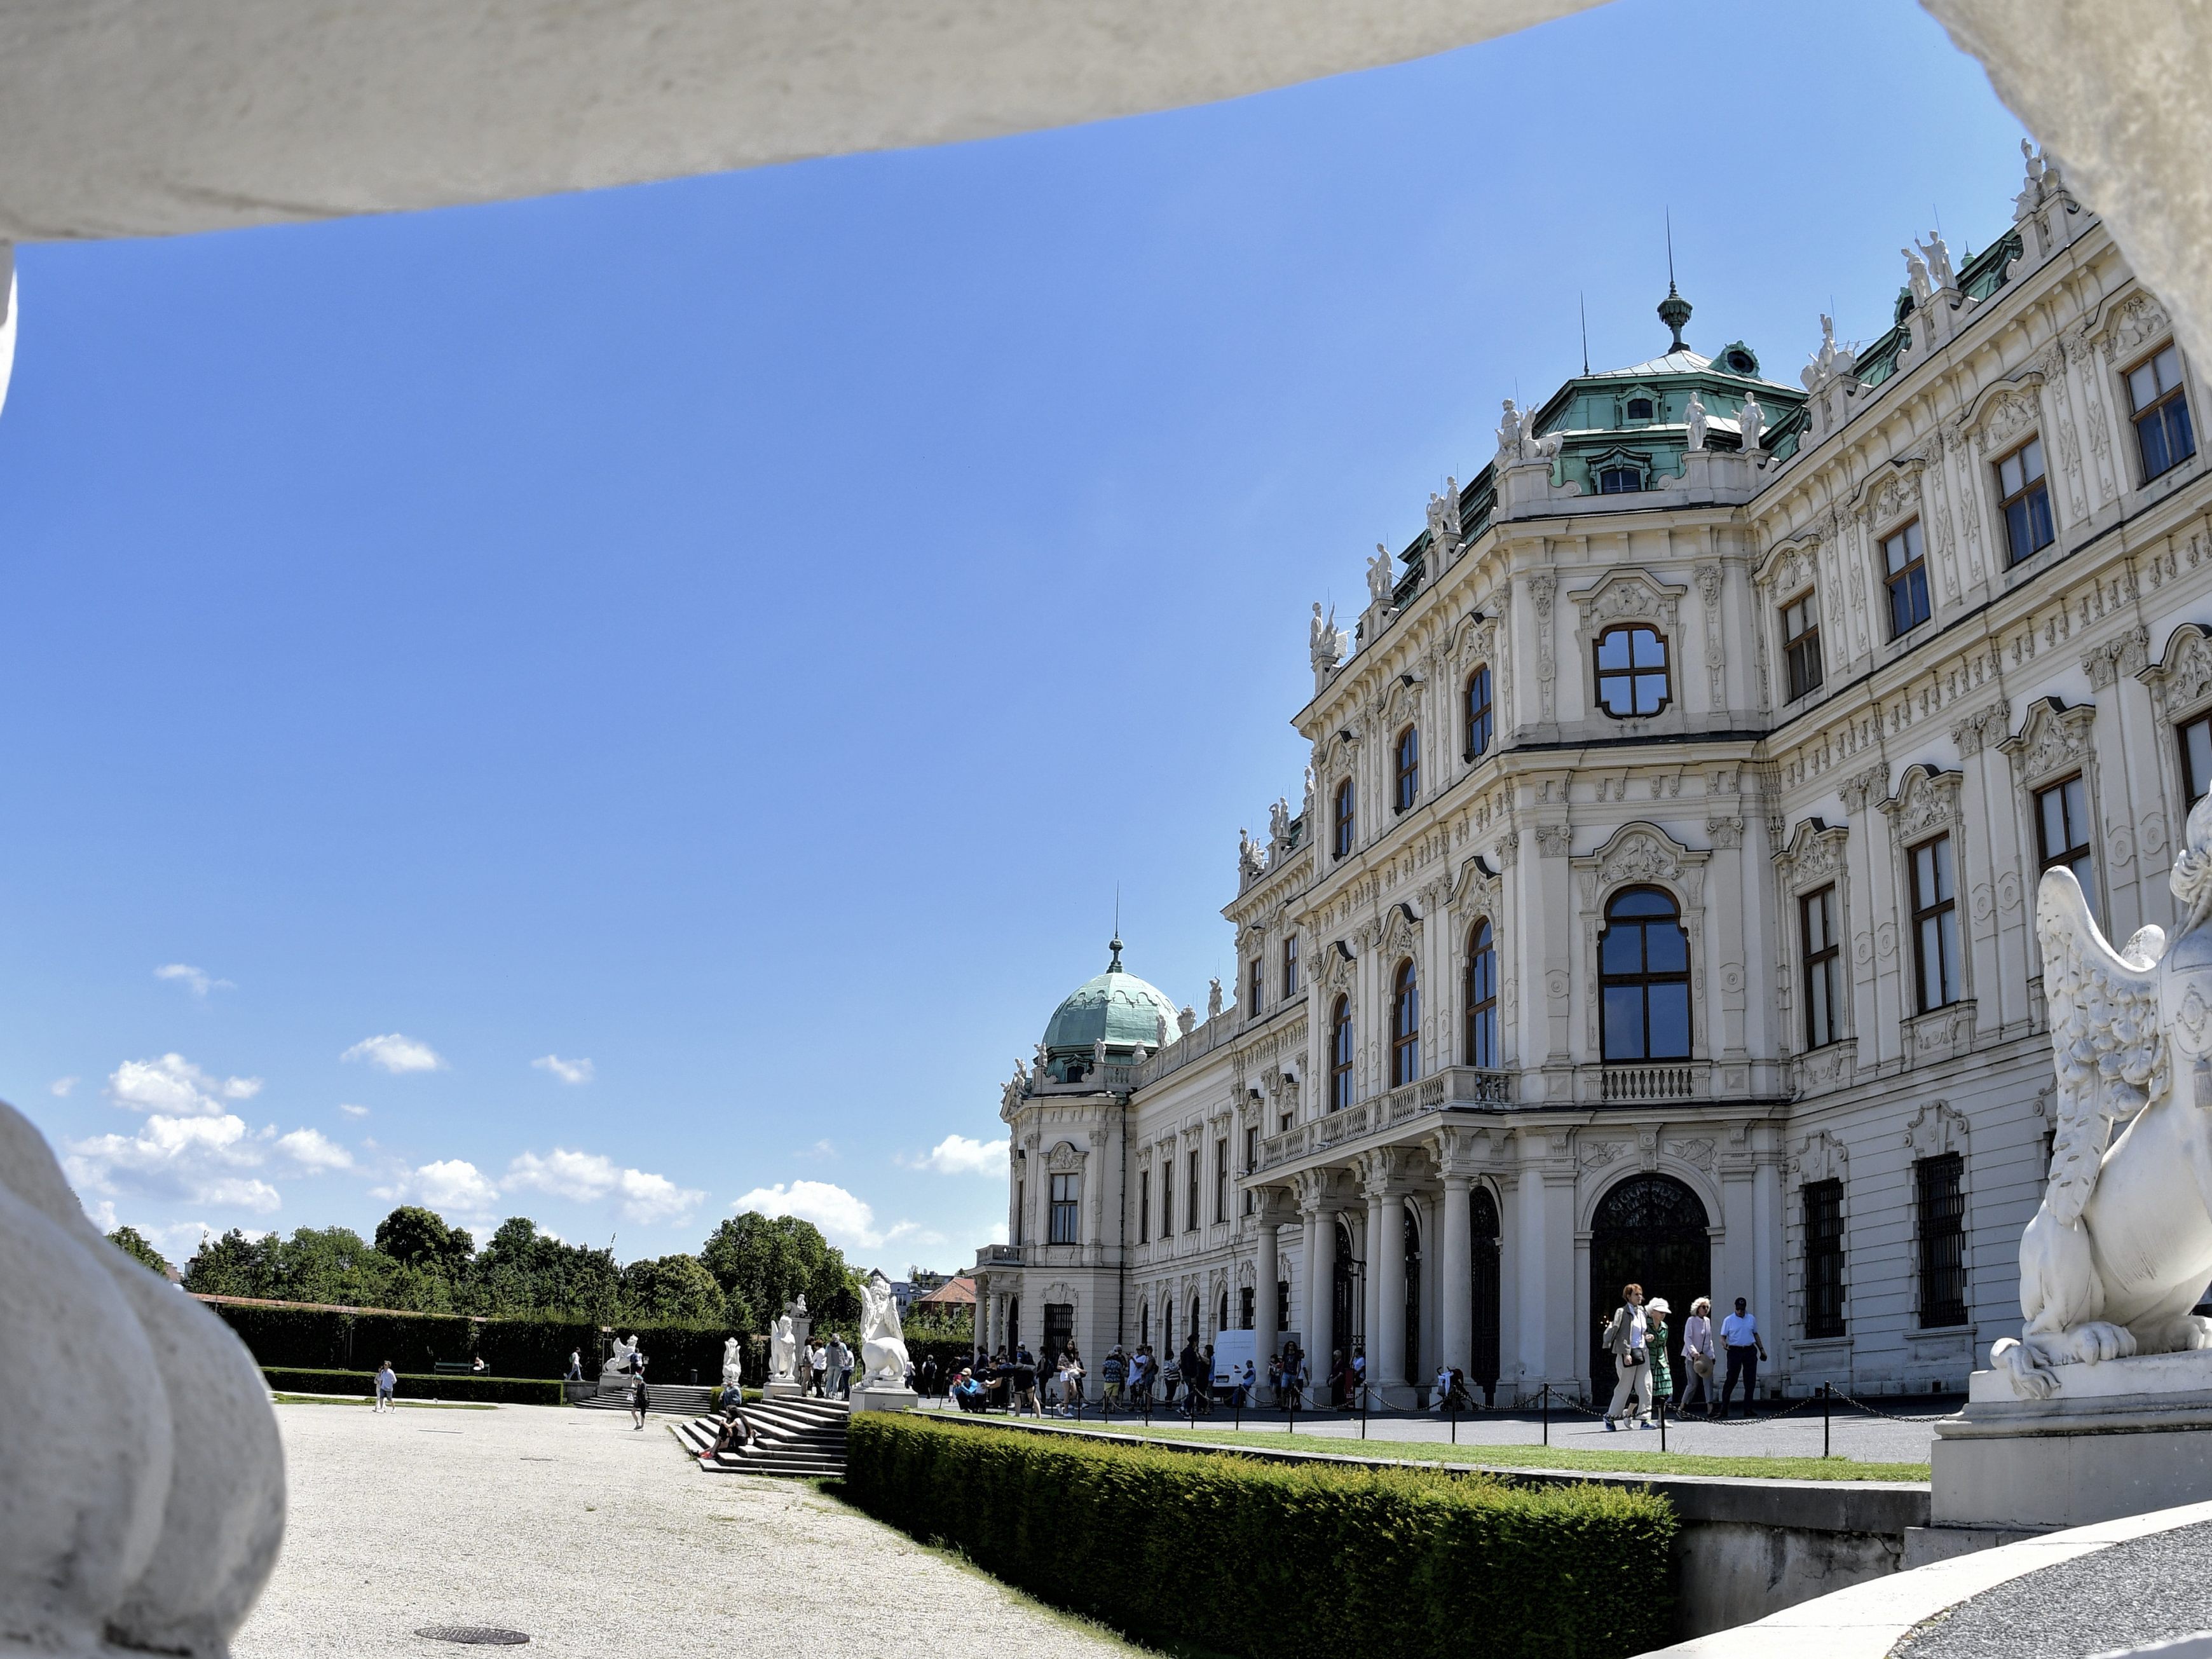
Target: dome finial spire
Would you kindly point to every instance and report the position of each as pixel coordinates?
(1674, 310)
(1114, 966)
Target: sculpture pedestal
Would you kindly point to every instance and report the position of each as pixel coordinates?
(883, 1397)
(782, 1388)
(2121, 1438)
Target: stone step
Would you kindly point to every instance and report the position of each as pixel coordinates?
(811, 1451)
(660, 1397)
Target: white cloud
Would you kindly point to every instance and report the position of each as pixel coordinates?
(451, 1184)
(197, 980)
(352, 1111)
(589, 1177)
(62, 1085)
(568, 1071)
(174, 1085)
(203, 1160)
(397, 1054)
(959, 1155)
(313, 1151)
(845, 1220)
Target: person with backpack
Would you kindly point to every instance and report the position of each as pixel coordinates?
(1627, 1335)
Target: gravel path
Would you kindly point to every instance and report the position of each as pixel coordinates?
(2125, 1596)
(593, 1537)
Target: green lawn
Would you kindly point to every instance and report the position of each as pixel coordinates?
(1549, 1457)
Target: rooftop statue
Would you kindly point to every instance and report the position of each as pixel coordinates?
(1916, 276)
(1251, 862)
(1509, 427)
(2042, 180)
(2121, 1248)
(1160, 1031)
(1939, 260)
(1444, 516)
(1830, 360)
(1308, 796)
(1213, 997)
(1694, 418)
(1378, 575)
(1098, 1054)
(1279, 820)
(1325, 640)
(1752, 420)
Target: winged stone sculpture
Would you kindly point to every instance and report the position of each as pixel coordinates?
(2121, 1248)
(882, 1347)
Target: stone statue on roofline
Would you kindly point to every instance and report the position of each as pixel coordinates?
(1309, 797)
(1325, 640)
(1098, 1055)
(1187, 1021)
(1444, 518)
(1916, 278)
(1279, 820)
(1510, 425)
(1751, 419)
(1213, 997)
(1378, 575)
(1160, 1031)
(1694, 418)
(1938, 252)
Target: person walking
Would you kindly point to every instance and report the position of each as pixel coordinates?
(575, 1366)
(1112, 1374)
(1292, 1396)
(1740, 1336)
(639, 1400)
(925, 1377)
(387, 1380)
(1626, 1335)
(840, 1358)
(1359, 1386)
(818, 1366)
(1071, 1380)
(1655, 1312)
(1140, 1378)
(1699, 1355)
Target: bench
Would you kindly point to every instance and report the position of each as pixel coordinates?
(453, 1367)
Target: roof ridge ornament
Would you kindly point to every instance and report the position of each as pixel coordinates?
(1114, 945)
(1674, 310)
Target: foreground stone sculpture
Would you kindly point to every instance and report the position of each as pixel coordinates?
(2103, 1406)
(622, 1362)
(785, 1342)
(882, 1383)
(142, 1481)
(734, 1364)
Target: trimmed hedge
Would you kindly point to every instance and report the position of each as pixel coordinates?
(494, 1390)
(1280, 1561)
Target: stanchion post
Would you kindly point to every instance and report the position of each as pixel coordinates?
(1824, 1419)
(1548, 1413)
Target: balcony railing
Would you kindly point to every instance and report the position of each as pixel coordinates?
(1638, 1083)
(1455, 1088)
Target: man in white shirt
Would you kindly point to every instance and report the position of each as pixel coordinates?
(386, 1380)
(1740, 1336)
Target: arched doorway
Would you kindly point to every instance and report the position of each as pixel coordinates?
(1349, 1321)
(1650, 1230)
(1484, 1359)
(1412, 1355)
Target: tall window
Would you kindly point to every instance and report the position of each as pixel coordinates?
(1065, 1228)
(1631, 672)
(2164, 436)
(1801, 645)
(1251, 1160)
(1290, 966)
(1407, 779)
(1481, 995)
(1816, 926)
(1482, 718)
(1021, 1207)
(1167, 1197)
(1244, 1308)
(2024, 501)
(1936, 923)
(1190, 1198)
(1404, 1026)
(1644, 978)
(1344, 817)
(1339, 1056)
(2196, 755)
(2062, 834)
(1221, 1179)
(1940, 1184)
(1905, 573)
(1619, 481)
(1144, 1206)
(1256, 986)
(1823, 1258)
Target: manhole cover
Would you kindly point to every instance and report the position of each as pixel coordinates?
(475, 1636)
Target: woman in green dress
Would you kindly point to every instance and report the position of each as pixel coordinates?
(1662, 1375)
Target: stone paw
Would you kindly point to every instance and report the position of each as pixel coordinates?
(2098, 1341)
(2030, 1379)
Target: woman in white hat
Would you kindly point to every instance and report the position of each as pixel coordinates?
(1663, 1374)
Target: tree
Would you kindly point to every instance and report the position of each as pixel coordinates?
(762, 1261)
(671, 1290)
(232, 1265)
(417, 1237)
(522, 1271)
(133, 1243)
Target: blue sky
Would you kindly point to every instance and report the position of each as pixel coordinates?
(597, 707)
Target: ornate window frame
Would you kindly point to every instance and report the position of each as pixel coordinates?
(1937, 1128)
(1927, 804)
(1641, 854)
(1621, 417)
(1479, 891)
(1792, 566)
(2002, 417)
(1888, 503)
(1816, 857)
(2180, 686)
(1819, 1155)
(1631, 595)
(1639, 461)
(2131, 324)
(2053, 743)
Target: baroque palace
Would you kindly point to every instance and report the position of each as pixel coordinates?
(1661, 903)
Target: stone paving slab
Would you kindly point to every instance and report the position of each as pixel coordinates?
(2127, 1594)
(594, 1538)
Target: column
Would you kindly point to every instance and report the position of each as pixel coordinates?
(1455, 1274)
(1386, 1271)
(1321, 1291)
(1266, 1338)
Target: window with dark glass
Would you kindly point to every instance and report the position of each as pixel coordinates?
(1167, 1196)
(1065, 1228)
(1407, 774)
(1816, 927)
(1632, 671)
(1343, 817)
(1940, 1190)
(2024, 502)
(1801, 645)
(1339, 1056)
(1619, 481)
(1221, 1179)
(1190, 1199)
(1021, 1207)
(1481, 996)
(2062, 834)
(1823, 1258)
(1290, 966)
(2195, 737)
(1639, 409)
(1935, 923)
(1481, 719)
(1255, 985)
(1144, 1206)
(2164, 436)
(1905, 573)
(1404, 1026)
(1251, 1160)
(1644, 978)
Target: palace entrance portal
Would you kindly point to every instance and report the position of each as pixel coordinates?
(1651, 1231)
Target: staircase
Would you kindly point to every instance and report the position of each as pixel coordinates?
(790, 1436)
(673, 1398)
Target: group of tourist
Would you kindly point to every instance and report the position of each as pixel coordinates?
(1636, 1336)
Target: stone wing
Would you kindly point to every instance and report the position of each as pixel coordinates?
(2105, 1044)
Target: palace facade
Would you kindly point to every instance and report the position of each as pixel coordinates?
(1662, 902)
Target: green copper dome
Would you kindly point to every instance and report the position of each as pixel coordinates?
(1116, 1006)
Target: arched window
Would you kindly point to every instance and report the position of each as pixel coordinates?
(1343, 817)
(1222, 1323)
(1643, 975)
(1632, 671)
(1404, 1026)
(1191, 1330)
(1408, 773)
(1339, 1056)
(1144, 1322)
(1481, 995)
(1482, 719)
(1619, 481)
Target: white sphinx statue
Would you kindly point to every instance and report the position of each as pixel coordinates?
(782, 1349)
(2121, 1248)
(883, 1349)
(622, 1361)
(734, 1364)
